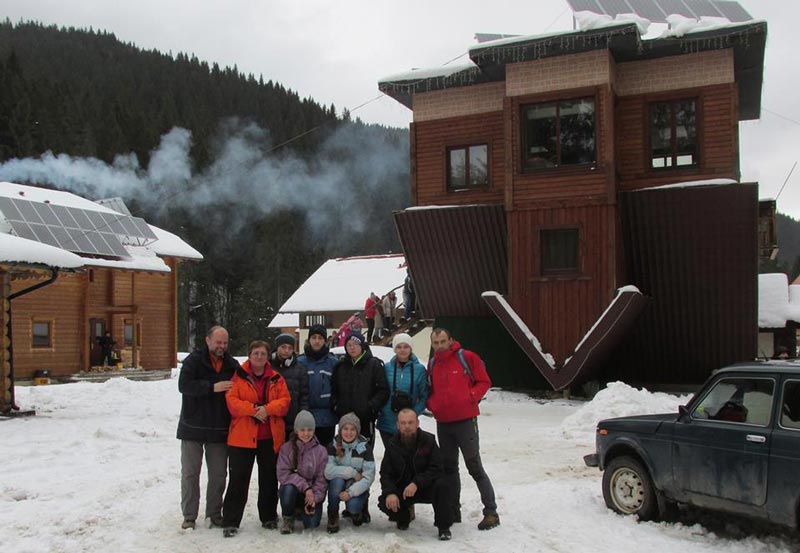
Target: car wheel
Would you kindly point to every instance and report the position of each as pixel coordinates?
(628, 488)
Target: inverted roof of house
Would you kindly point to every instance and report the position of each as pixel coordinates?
(344, 284)
(622, 37)
(145, 255)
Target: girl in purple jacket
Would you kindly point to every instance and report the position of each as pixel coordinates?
(301, 473)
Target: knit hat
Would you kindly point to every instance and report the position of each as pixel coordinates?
(358, 338)
(303, 420)
(318, 329)
(350, 418)
(284, 339)
(401, 338)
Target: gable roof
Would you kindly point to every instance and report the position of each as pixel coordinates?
(344, 284)
(21, 251)
(142, 258)
(622, 38)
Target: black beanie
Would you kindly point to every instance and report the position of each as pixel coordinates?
(318, 329)
(284, 339)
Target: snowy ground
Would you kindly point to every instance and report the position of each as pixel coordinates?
(97, 469)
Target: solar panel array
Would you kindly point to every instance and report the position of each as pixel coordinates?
(73, 229)
(658, 10)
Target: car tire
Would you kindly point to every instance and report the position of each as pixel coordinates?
(628, 488)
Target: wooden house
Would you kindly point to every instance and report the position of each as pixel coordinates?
(553, 156)
(127, 284)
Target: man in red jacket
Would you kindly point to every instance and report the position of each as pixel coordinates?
(458, 382)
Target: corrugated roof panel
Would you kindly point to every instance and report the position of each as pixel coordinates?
(455, 254)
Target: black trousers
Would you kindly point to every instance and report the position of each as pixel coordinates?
(370, 329)
(240, 466)
(325, 434)
(440, 494)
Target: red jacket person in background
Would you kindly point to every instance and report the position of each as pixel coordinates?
(458, 382)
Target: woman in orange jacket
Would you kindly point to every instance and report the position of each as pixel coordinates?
(258, 401)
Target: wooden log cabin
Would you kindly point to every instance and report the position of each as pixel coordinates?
(127, 287)
(552, 155)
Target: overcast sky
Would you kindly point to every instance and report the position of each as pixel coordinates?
(335, 52)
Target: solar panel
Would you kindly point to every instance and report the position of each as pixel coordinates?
(613, 7)
(675, 7)
(732, 10)
(73, 229)
(585, 5)
(703, 8)
(647, 9)
(144, 228)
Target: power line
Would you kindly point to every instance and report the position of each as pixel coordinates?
(785, 181)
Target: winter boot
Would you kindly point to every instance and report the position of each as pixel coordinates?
(358, 519)
(229, 532)
(489, 522)
(188, 525)
(333, 522)
(444, 534)
(288, 525)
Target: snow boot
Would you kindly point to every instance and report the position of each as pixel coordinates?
(229, 532)
(489, 522)
(188, 525)
(288, 525)
(445, 535)
(333, 522)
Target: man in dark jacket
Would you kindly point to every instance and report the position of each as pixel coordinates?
(319, 363)
(412, 472)
(205, 377)
(459, 381)
(359, 385)
(284, 361)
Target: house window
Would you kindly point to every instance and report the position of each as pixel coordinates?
(468, 167)
(559, 250)
(42, 334)
(312, 320)
(128, 332)
(558, 133)
(673, 134)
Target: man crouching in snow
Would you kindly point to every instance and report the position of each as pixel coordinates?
(205, 377)
(411, 472)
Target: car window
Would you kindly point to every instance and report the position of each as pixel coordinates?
(745, 400)
(790, 408)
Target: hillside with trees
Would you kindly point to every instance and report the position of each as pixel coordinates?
(264, 183)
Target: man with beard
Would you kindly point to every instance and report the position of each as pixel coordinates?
(412, 472)
(284, 361)
(205, 377)
(319, 363)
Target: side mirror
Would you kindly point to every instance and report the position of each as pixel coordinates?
(683, 412)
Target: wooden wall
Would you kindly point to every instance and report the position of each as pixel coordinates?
(717, 128)
(147, 298)
(430, 140)
(560, 310)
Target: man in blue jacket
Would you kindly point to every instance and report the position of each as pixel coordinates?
(205, 377)
(319, 362)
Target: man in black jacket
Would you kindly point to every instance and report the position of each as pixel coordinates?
(412, 472)
(205, 377)
(284, 361)
(359, 385)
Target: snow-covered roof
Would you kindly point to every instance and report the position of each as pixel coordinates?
(14, 249)
(283, 320)
(777, 301)
(141, 258)
(345, 284)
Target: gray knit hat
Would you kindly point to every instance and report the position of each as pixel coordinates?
(350, 418)
(304, 419)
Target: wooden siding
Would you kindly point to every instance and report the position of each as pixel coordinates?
(429, 158)
(6, 393)
(564, 184)
(717, 136)
(560, 310)
(112, 295)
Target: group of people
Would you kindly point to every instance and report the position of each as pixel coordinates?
(281, 411)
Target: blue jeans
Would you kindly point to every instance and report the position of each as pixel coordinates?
(353, 505)
(292, 499)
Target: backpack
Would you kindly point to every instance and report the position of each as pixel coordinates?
(461, 359)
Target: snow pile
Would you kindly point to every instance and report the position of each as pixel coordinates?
(588, 21)
(14, 249)
(777, 301)
(680, 25)
(617, 400)
(429, 73)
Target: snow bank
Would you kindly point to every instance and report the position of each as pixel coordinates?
(617, 400)
(589, 20)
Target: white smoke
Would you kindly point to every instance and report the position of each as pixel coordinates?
(352, 163)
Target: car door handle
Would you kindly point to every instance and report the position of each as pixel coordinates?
(756, 438)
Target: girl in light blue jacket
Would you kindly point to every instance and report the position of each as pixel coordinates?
(408, 386)
(350, 472)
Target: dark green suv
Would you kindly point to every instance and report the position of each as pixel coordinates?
(734, 448)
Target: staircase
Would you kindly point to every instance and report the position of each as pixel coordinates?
(410, 326)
